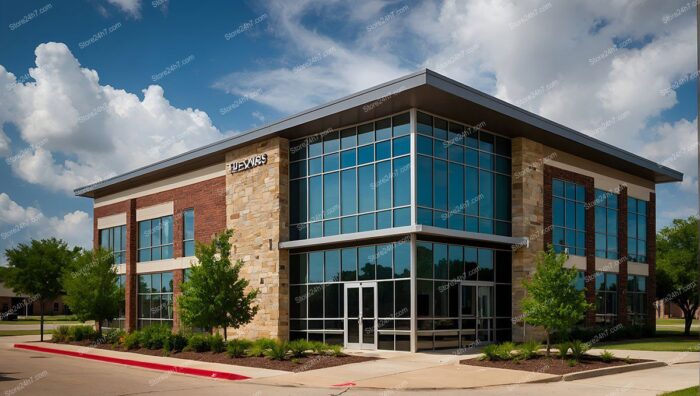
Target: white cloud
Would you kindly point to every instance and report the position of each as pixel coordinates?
(607, 63)
(675, 145)
(80, 131)
(19, 224)
(258, 115)
(130, 7)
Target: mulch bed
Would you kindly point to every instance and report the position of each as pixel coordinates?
(312, 362)
(552, 365)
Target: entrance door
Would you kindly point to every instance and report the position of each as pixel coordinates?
(476, 311)
(361, 315)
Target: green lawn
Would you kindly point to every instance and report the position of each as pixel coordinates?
(60, 318)
(673, 322)
(49, 321)
(7, 333)
(673, 343)
(683, 392)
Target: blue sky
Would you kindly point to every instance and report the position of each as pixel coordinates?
(119, 84)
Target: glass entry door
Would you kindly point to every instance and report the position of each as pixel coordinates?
(361, 315)
(476, 311)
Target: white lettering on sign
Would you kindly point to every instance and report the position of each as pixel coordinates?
(251, 162)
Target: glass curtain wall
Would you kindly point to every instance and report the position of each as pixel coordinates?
(351, 180)
(155, 299)
(463, 294)
(317, 283)
(465, 177)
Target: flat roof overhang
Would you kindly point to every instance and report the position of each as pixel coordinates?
(425, 90)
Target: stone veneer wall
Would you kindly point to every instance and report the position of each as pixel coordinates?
(528, 219)
(257, 209)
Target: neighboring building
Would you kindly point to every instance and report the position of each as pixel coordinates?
(670, 310)
(20, 305)
(404, 216)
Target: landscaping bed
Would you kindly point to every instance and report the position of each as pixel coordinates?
(552, 365)
(294, 356)
(570, 357)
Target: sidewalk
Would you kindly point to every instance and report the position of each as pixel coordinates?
(394, 371)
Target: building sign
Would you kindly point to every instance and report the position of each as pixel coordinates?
(251, 162)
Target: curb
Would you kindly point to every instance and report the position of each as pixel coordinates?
(612, 370)
(136, 363)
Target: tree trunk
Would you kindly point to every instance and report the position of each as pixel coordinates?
(41, 322)
(98, 327)
(225, 334)
(548, 346)
(688, 316)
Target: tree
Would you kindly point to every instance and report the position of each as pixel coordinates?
(91, 287)
(214, 295)
(677, 266)
(552, 300)
(35, 270)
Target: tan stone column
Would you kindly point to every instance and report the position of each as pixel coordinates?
(257, 209)
(527, 216)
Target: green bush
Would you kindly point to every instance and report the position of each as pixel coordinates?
(131, 341)
(198, 343)
(61, 334)
(578, 349)
(607, 356)
(278, 351)
(563, 350)
(217, 343)
(571, 362)
(528, 350)
(154, 336)
(260, 346)
(498, 351)
(112, 336)
(82, 332)
(175, 343)
(299, 348)
(237, 348)
(335, 350)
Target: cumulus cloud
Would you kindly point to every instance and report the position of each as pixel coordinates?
(79, 131)
(608, 69)
(675, 145)
(20, 224)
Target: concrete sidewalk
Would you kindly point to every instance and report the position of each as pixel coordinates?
(394, 371)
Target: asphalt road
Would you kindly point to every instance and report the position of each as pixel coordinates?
(32, 373)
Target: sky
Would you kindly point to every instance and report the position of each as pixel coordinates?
(90, 89)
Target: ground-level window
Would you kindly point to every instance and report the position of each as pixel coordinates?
(114, 240)
(318, 283)
(606, 297)
(463, 295)
(118, 322)
(155, 299)
(637, 299)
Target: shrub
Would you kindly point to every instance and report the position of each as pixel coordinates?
(61, 334)
(278, 351)
(528, 350)
(175, 343)
(299, 348)
(260, 346)
(318, 347)
(498, 351)
(571, 362)
(628, 360)
(335, 350)
(131, 341)
(154, 336)
(578, 349)
(82, 332)
(217, 343)
(237, 348)
(198, 343)
(607, 356)
(112, 336)
(563, 350)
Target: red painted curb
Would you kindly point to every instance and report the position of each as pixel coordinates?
(136, 363)
(345, 384)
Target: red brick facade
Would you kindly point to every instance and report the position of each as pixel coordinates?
(207, 198)
(550, 173)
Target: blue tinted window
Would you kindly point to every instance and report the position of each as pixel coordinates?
(348, 191)
(402, 181)
(347, 158)
(568, 218)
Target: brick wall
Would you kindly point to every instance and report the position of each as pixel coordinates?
(207, 198)
(550, 173)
